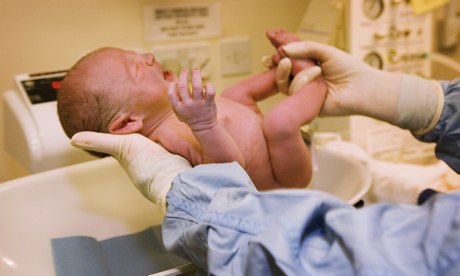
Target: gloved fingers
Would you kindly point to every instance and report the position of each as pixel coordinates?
(267, 62)
(94, 141)
(309, 49)
(283, 74)
(303, 78)
(115, 145)
(279, 55)
(273, 60)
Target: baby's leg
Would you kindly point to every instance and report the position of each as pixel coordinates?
(252, 90)
(290, 159)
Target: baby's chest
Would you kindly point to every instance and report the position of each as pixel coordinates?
(180, 140)
(246, 130)
(244, 125)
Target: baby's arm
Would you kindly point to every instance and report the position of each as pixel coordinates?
(197, 109)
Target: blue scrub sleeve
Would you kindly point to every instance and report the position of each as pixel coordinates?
(217, 220)
(447, 132)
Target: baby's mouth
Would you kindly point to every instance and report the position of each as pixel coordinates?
(168, 75)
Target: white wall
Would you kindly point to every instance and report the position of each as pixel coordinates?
(47, 35)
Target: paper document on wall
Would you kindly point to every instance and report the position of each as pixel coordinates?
(323, 22)
(186, 21)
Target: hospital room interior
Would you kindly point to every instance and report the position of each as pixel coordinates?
(60, 191)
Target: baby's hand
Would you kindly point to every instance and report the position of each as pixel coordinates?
(195, 107)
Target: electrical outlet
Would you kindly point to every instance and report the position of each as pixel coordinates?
(235, 56)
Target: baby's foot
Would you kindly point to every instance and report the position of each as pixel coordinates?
(278, 38)
(281, 37)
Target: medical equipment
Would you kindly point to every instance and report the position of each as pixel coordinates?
(448, 27)
(384, 33)
(388, 35)
(34, 136)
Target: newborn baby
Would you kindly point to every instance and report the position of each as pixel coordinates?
(117, 91)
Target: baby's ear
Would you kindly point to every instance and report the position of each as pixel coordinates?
(125, 124)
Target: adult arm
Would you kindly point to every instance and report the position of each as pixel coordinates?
(408, 101)
(218, 220)
(428, 108)
(446, 133)
(149, 166)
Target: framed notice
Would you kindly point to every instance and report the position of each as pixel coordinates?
(182, 21)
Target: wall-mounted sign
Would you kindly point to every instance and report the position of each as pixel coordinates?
(186, 21)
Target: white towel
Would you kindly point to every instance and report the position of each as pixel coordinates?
(399, 182)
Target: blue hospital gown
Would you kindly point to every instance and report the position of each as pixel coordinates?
(219, 221)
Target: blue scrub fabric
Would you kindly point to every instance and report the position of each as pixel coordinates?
(447, 132)
(220, 222)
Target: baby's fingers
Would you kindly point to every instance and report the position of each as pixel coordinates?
(210, 93)
(197, 85)
(182, 85)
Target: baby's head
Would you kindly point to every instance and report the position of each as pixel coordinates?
(86, 99)
(109, 88)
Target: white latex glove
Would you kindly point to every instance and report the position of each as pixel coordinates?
(149, 166)
(283, 75)
(354, 87)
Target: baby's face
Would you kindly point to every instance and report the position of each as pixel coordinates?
(143, 78)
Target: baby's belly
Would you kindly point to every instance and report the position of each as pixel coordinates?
(245, 126)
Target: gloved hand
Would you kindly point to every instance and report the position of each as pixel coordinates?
(302, 78)
(303, 70)
(149, 166)
(354, 87)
